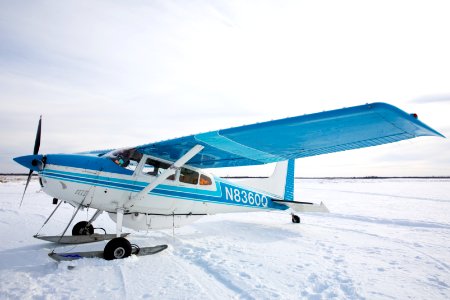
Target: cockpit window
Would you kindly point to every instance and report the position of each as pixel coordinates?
(126, 158)
(129, 158)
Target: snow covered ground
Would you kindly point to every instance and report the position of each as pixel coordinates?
(384, 239)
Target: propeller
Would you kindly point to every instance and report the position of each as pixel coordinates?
(37, 141)
(37, 145)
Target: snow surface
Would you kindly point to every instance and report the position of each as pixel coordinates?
(384, 239)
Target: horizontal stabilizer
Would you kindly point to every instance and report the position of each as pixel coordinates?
(304, 206)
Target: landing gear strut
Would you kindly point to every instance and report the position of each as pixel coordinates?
(295, 219)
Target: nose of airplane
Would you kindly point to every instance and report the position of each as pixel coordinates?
(32, 162)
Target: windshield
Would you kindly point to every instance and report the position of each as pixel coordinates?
(126, 158)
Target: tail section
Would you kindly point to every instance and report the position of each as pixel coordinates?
(280, 184)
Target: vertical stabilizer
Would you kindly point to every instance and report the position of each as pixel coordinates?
(280, 184)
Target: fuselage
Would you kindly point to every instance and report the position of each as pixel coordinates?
(100, 182)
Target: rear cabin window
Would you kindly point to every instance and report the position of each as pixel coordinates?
(154, 168)
(205, 180)
(188, 176)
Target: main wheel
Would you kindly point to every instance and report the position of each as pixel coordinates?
(117, 248)
(295, 219)
(81, 228)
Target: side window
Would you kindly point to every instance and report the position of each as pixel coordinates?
(188, 176)
(154, 168)
(149, 168)
(205, 180)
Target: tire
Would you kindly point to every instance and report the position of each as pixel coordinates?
(295, 219)
(117, 248)
(81, 229)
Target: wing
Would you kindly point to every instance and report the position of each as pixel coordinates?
(308, 135)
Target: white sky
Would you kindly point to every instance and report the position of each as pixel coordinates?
(109, 74)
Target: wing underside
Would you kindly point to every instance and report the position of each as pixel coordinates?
(296, 137)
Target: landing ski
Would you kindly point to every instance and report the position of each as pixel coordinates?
(69, 256)
(78, 239)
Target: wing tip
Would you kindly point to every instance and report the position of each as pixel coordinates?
(423, 129)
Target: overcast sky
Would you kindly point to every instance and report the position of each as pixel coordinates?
(109, 74)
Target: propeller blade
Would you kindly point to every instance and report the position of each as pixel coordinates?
(26, 185)
(37, 141)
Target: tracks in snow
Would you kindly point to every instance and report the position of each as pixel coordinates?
(194, 261)
(403, 243)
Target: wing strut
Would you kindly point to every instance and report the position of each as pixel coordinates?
(163, 176)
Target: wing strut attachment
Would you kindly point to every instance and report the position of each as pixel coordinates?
(163, 176)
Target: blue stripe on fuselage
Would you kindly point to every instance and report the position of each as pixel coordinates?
(96, 181)
(195, 194)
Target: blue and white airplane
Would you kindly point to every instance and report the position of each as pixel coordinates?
(165, 184)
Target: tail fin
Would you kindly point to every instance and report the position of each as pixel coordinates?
(280, 183)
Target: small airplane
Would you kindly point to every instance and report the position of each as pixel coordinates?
(166, 184)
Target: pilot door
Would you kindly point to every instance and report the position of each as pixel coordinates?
(114, 189)
(158, 200)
